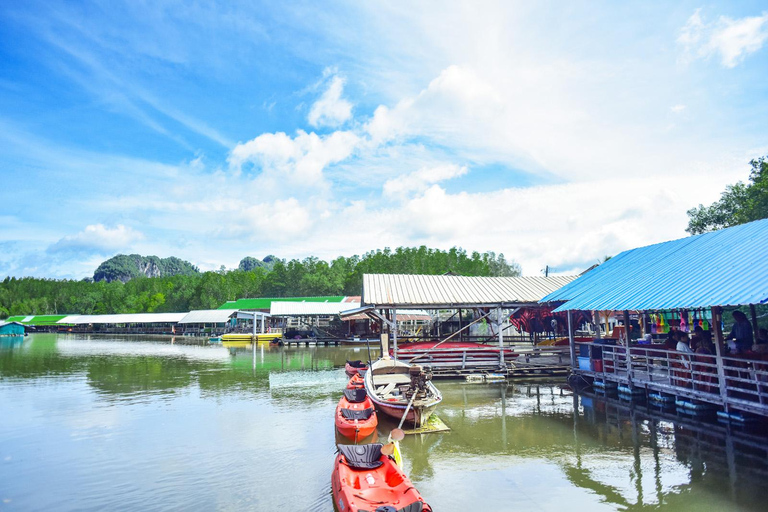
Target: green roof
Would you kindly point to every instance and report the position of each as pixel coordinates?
(35, 319)
(266, 302)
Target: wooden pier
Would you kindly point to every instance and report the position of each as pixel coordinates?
(530, 362)
(738, 384)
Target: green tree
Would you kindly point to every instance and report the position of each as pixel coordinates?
(740, 203)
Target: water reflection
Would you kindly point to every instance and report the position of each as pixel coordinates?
(152, 424)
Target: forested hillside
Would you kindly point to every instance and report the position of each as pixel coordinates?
(207, 290)
(125, 267)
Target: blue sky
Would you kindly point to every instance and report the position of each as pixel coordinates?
(553, 133)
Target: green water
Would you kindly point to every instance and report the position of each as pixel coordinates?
(111, 423)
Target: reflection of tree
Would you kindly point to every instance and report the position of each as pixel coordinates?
(125, 375)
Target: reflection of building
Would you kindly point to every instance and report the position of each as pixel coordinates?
(672, 456)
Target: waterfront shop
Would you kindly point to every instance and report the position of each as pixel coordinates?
(701, 308)
(134, 323)
(482, 305)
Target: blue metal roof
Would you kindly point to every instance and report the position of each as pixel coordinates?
(728, 267)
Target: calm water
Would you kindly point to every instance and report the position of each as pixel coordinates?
(123, 424)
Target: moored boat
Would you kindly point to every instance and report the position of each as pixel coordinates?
(355, 416)
(364, 479)
(354, 367)
(356, 382)
(398, 388)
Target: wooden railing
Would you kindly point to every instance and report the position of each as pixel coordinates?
(738, 381)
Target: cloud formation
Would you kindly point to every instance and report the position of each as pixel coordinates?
(331, 109)
(732, 39)
(98, 238)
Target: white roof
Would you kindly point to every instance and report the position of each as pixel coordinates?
(288, 308)
(208, 316)
(404, 290)
(134, 318)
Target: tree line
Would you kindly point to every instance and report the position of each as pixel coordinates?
(208, 290)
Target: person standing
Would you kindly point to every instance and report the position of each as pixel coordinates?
(740, 337)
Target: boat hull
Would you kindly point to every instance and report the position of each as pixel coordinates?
(382, 389)
(356, 429)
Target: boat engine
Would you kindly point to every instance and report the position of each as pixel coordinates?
(419, 379)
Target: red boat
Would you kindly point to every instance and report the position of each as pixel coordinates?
(356, 382)
(452, 352)
(354, 367)
(355, 416)
(364, 479)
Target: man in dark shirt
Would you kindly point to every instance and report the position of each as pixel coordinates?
(741, 332)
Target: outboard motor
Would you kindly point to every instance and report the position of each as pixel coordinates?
(419, 380)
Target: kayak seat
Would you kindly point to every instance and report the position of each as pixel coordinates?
(352, 414)
(361, 456)
(355, 395)
(416, 506)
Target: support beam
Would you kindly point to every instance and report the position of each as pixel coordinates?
(394, 331)
(571, 341)
(717, 313)
(499, 323)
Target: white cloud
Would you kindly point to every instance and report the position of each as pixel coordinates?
(300, 159)
(98, 238)
(420, 180)
(732, 39)
(677, 109)
(331, 109)
(284, 217)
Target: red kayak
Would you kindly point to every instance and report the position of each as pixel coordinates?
(364, 479)
(355, 416)
(356, 382)
(354, 367)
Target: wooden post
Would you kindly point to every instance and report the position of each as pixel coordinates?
(572, 343)
(596, 319)
(394, 332)
(499, 323)
(755, 329)
(717, 312)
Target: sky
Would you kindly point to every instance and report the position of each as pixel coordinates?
(556, 133)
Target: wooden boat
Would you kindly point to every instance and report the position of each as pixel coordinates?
(364, 479)
(353, 367)
(355, 417)
(391, 384)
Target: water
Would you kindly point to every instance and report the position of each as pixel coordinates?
(125, 424)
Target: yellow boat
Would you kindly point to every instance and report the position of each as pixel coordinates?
(238, 340)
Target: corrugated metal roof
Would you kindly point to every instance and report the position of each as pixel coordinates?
(134, 318)
(36, 319)
(728, 267)
(310, 308)
(208, 316)
(266, 302)
(404, 290)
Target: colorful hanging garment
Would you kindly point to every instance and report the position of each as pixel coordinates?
(683, 323)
